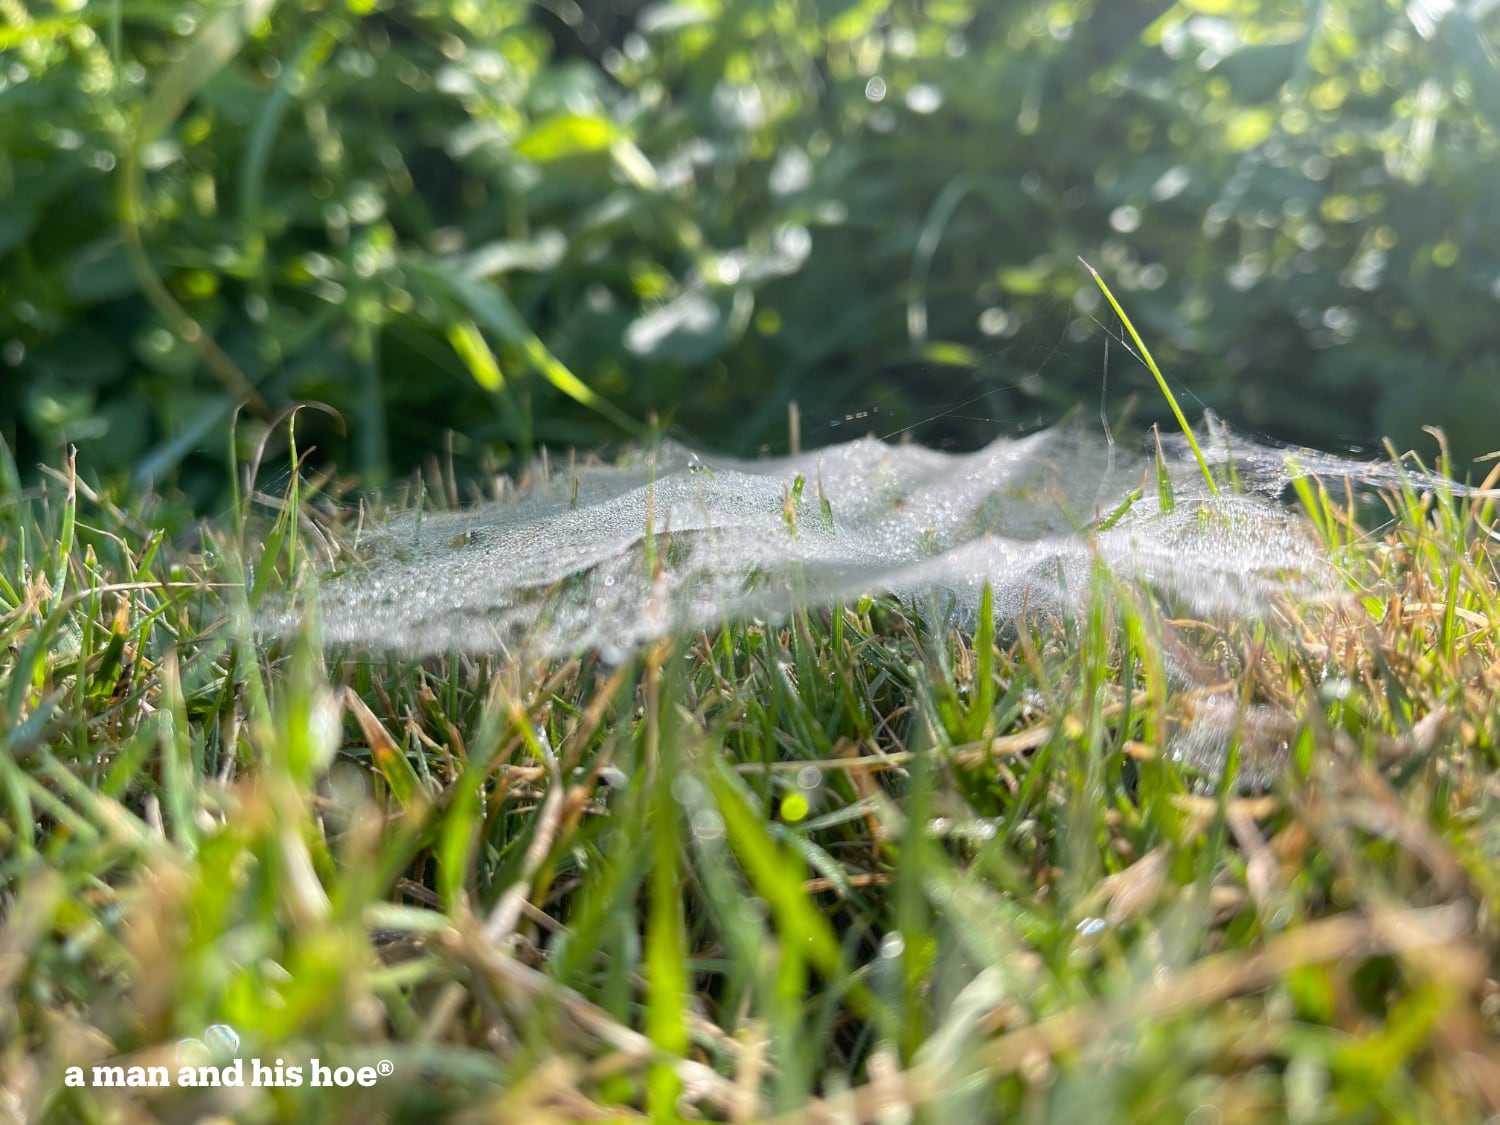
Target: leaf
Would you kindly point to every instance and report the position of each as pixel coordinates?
(16, 225)
(537, 254)
(1257, 73)
(1119, 513)
(1161, 382)
(1024, 281)
(687, 330)
(634, 165)
(776, 876)
(470, 345)
(982, 706)
(1472, 51)
(492, 309)
(85, 356)
(567, 134)
(385, 754)
(1248, 128)
(1166, 499)
(100, 271)
(949, 354)
(657, 19)
(257, 155)
(668, 985)
(851, 19)
(35, 32)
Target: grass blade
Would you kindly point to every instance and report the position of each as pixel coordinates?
(1161, 381)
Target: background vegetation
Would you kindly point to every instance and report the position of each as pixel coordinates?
(546, 223)
(852, 866)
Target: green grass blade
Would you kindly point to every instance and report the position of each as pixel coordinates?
(1161, 381)
(1166, 496)
(668, 986)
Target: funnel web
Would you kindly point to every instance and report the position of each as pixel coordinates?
(607, 558)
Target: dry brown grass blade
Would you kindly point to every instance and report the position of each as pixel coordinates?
(751, 1069)
(1032, 738)
(512, 904)
(507, 911)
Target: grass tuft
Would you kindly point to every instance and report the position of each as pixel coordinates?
(854, 864)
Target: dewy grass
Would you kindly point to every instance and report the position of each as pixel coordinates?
(856, 864)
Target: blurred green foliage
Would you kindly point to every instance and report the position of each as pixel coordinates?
(544, 224)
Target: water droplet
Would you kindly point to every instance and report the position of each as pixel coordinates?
(222, 1038)
(994, 321)
(707, 825)
(1125, 219)
(924, 98)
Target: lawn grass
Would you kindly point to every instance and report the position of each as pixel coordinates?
(843, 868)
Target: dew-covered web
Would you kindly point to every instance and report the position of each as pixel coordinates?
(607, 558)
(610, 557)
